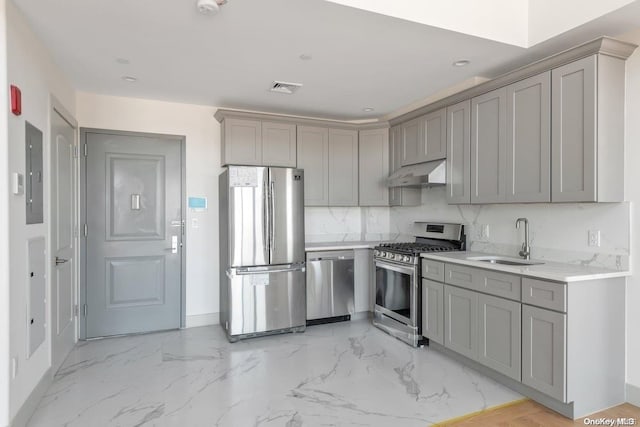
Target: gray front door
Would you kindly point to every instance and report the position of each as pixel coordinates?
(134, 240)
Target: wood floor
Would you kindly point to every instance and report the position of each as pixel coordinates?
(527, 413)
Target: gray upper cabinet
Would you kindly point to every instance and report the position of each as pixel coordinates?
(499, 323)
(458, 153)
(313, 157)
(241, 142)
(529, 140)
(259, 143)
(434, 136)
(279, 144)
(412, 136)
(587, 130)
(343, 167)
(489, 147)
(544, 351)
(373, 167)
(399, 196)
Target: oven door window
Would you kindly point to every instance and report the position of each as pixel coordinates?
(393, 291)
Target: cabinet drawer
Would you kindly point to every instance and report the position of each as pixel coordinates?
(551, 295)
(491, 282)
(433, 270)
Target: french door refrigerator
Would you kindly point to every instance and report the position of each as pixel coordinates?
(262, 257)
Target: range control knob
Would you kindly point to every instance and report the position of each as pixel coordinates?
(398, 257)
(406, 258)
(376, 252)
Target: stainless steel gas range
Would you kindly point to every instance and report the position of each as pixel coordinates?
(397, 309)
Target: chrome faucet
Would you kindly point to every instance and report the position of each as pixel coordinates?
(526, 250)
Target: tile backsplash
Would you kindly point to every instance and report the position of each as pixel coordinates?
(559, 232)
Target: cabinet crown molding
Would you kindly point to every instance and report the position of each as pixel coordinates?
(602, 46)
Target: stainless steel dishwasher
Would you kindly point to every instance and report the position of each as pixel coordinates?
(330, 295)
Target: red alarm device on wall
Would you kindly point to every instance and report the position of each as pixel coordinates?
(16, 100)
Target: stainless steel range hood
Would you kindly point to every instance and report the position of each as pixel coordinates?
(419, 175)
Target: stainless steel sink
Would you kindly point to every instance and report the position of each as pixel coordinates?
(503, 260)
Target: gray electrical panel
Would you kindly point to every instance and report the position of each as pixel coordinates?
(33, 167)
(37, 293)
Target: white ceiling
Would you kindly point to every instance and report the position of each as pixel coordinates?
(359, 58)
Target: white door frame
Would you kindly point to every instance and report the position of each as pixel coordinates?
(82, 195)
(56, 107)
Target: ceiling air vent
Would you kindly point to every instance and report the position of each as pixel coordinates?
(285, 87)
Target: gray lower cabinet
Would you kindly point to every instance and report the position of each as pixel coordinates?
(489, 147)
(544, 351)
(587, 130)
(313, 157)
(458, 153)
(373, 167)
(399, 196)
(528, 173)
(432, 311)
(343, 167)
(499, 323)
(460, 321)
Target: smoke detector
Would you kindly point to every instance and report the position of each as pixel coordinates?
(285, 87)
(209, 7)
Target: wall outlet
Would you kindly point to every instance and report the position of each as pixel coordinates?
(14, 367)
(483, 233)
(594, 238)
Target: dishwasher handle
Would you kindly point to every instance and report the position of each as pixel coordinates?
(334, 258)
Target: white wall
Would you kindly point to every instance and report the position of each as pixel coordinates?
(558, 231)
(202, 133)
(632, 191)
(4, 226)
(30, 68)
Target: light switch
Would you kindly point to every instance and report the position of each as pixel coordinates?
(17, 183)
(195, 223)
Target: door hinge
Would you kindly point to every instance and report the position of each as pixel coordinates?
(84, 310)
(86, 230)
(85, 150)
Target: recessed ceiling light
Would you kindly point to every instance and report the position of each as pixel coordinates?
(130, 79)
(368, 109)
(122, 61)
(306, 57)
(461, 63)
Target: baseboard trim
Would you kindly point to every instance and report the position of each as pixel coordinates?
(29, 406)
(361, 315)
(633, 394)
(207, 319)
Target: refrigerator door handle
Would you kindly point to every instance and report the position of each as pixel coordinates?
(266, 220)
(272, 219)
(245, 271)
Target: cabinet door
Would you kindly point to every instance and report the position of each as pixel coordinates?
(544, 351)
(343, 167)
(242, 142)
(373, 167)
(489, 147)
(573, 132)
(499, 322)
(412, 141)
(434, 142)
(313, 157)
(460, 321)
(399, 196)
(278, 144)
(432, 311)
(529, 139)
(458, 153)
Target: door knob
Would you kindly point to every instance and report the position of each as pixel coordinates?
(61, 261)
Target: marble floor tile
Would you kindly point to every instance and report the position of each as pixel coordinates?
(343, 374)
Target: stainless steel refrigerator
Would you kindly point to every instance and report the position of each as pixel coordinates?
(262, 257)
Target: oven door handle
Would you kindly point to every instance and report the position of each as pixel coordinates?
(395, 267)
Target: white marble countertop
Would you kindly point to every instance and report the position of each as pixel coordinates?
(547, 270)
(335, 246)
